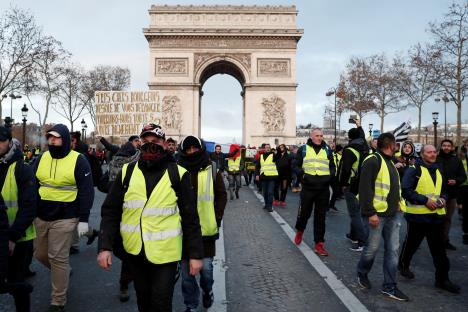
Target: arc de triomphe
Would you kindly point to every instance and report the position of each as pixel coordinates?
(255, 44)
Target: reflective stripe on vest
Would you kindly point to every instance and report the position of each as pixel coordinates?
(10, 197)
(56, 177)
(465, 165)
(151, 223)
(355, 166)
(316, 164)
(267, 166)
(382, 186)
(205, 202)
(427, 188)
(234, 164)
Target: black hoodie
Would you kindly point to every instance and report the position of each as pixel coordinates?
(452, 169)
(49, 210)
(25, 182)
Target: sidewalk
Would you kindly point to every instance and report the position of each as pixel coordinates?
(266, 272)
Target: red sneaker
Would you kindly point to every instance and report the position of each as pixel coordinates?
(320, 249)
(282, 203)
(276, 203)
(298, 237)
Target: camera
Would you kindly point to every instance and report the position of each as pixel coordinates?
(352, 119)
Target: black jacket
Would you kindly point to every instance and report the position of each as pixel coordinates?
(49, 210)
(369, 170)
(112, 148)
(284, 166)
(111, 211)
(26, 184)
(408, 190)
(348, 159)
(316, 181)
(452, 168)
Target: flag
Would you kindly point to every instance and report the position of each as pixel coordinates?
(402, 131)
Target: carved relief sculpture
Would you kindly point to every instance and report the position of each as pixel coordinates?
(273, 67)
(169, 66)
(273, 114)
(171, 115)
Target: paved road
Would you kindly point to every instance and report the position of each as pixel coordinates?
(265, 271)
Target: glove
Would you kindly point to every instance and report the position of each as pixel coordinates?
(82, 228)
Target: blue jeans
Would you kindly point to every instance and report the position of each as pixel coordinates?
(190, 289)
(389, 229)
(268, 187)
(357, 231)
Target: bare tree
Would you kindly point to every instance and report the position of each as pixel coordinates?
(383, 82)
(451, 64)
(103, 78)
(19, 43)
(417, 77)
(68, 102)
(354, 91)
(44, 76)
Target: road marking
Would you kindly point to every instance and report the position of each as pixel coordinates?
(350, 301)
(219, 276)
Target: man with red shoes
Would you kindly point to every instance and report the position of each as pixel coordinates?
(316, 168)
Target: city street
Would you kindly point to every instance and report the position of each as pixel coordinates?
(265, 271)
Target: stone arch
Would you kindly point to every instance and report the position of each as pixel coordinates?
(221, 64)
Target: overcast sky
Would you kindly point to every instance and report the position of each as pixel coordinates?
(110, 32)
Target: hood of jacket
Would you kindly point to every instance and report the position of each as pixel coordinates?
(13, 154)
(360, 145)
(127, 150)
(66, 141)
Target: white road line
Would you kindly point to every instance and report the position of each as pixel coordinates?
(219, 275)
(350, 301)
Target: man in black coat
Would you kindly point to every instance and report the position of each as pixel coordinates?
(454, 175)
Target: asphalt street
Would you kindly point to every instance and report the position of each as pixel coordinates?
(265, 271)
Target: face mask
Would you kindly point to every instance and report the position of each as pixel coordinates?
(151, 151)
(54, 150)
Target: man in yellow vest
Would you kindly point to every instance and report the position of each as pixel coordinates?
(267, 174)
(210, 191)
(235, 165)
(66, 195)
(425, 193)
(381, 205)
(150, 204)
(18, 199)
(316, 168)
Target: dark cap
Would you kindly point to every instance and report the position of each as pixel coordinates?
(153, 129)
(133, 137)
(190, 141)
(5, 133)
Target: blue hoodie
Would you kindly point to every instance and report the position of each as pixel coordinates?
(52, 210)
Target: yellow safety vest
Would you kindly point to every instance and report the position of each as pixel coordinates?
(465, 165)
(427, 188)
(10, 197)
(205, 202)
(337, 160)
(56, 177)
(151, 223)
(382, 186)
(267, 166)
(234, 164)
(316, 164)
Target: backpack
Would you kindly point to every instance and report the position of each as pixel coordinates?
(115, 166)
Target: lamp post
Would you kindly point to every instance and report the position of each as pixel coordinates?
(330, 93)
(24, 113)
(83, 123)
(435, 116)
(426, 132)
(85, 131)
(445, 99)
(13, 97)
(370, 129)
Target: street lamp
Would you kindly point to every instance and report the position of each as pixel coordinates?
(85, 131)
(13, 97)
(435, 116)
(83, 123)
(330, 93)
(370, 129)
(24, 113)
(426, 132)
